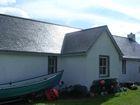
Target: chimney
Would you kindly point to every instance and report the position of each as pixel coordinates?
(131, 37)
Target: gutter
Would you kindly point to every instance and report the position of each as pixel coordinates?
(132, 59)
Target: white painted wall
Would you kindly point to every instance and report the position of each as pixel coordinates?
(18, 66)
(103, 46)
(132, 72)
(85, 69)
(74, 69)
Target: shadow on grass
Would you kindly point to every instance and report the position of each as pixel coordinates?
(98, 100)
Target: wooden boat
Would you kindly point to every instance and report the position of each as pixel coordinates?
(23, 87)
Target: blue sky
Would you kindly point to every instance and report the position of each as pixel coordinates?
(121, 16)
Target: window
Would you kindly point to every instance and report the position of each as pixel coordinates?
(123, 66)
(52, 64)
(103, 66)
(139, 69)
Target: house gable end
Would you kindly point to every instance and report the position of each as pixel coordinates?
(81, 41)
(111, 39)
(103, 47)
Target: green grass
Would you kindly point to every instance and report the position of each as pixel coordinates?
(131, 97)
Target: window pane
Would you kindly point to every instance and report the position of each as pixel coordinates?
(104, 70)
(103, 65)
(52, 64)
(139, 69)
(100, 70)
(123, 66)
(100, 62)
(104, 62)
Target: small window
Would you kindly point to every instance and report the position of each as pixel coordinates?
(123, 66)
(139, 69)
(103, 66)
(52, 64)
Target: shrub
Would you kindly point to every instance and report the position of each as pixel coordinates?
(75, 91)
(104, 86)
(78, 91)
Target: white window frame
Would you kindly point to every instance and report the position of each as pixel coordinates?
(103, 64)
(52, 64)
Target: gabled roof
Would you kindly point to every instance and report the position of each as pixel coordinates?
(20, 34)
(82, 41)
(27, 35)
(130, 49)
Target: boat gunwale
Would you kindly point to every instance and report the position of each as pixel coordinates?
(44, 80)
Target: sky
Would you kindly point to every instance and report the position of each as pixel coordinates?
(121, 16)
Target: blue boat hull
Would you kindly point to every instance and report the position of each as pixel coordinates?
(45, 83)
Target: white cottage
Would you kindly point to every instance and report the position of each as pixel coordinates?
(31, 48)
(90, 54)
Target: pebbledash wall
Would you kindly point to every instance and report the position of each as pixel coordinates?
(83, 69)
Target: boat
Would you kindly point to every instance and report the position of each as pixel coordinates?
(31, 85)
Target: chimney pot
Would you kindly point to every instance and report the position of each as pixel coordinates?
(131, 37)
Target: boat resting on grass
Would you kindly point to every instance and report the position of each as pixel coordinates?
(31, 85)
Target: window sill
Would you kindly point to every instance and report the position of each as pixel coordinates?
(103, 76)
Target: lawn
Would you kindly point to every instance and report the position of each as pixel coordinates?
(131, 97)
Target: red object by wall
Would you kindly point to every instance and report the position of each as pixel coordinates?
(52, 94)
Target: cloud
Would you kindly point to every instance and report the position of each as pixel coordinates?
(13, 11)
(82, 5)
(7, 7)
(75, 11)
(7, 2)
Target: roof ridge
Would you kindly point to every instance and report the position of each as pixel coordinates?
(34, 20)
(104, 26)
(120, 36)
(83, 30)
(126, 38)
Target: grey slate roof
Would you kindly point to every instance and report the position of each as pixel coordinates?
(81, 41)
(26, 35)
(129, 48)
(19, 34)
